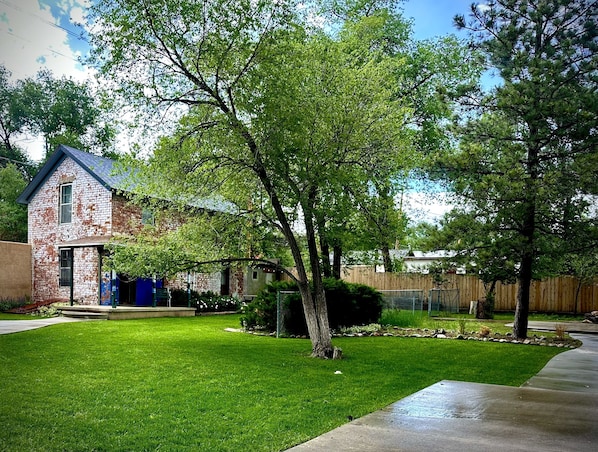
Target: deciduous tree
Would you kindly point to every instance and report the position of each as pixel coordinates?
(13, 217)
(272, 106)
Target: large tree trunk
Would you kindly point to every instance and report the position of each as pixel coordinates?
(386, 260)
(326, 267)
(314, 305)
(522, 308)
(527, 262)
(336, 262)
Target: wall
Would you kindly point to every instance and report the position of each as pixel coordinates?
(15, 270)
(549, 295)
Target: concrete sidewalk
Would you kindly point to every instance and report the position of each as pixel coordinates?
(554, 411)
(16, 326)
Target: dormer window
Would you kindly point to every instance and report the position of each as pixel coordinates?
(66, 203)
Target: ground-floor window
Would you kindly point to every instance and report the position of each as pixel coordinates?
(66, 266)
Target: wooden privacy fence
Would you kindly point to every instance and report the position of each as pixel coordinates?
(549, 295)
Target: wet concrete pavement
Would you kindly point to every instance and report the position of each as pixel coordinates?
(16, 326)
(556, 410)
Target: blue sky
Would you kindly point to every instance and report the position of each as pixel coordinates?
(435, 17)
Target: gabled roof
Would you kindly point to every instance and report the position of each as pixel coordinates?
(107, 172)
(100, 168)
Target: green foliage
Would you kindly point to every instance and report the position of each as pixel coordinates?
(187, 384)
(521, 170)
(13, 217)
(6, 304)
(45, 311)
(63, 111)
(348, 304)
(261, 312)
(279, 116)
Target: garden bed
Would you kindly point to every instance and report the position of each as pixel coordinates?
(484, 336)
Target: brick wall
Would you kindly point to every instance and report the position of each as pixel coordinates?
(91, 216)
(126, 217)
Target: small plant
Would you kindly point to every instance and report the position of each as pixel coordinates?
(371, 328)
(484, 331)
(462, 324)
(559, 331)
(46, 311)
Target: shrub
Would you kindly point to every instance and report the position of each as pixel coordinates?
(560, 330)
(261, 312)
(484, 331)
(46, 311)
(6, 304)
(212, 302)
(348, 304)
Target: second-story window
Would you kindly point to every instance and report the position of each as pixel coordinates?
(66, 203)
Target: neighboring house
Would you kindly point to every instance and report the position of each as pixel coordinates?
(75, 206)
(412, 261)
(420, 262)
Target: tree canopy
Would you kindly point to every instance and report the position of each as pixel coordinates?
(60, 110)
(13, 217)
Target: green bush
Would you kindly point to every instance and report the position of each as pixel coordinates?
(261, 312)
(6, 304)
(348, 304)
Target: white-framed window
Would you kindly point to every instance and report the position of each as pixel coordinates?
(66, 203)
(147, 217)
(66, 267)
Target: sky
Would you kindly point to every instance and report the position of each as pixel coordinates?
(44, 34)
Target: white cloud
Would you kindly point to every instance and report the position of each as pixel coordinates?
(32, 39)
(426, 207)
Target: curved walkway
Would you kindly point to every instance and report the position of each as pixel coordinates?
(555, 410)
(16, 326)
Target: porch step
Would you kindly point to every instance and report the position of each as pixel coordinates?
(84, 314)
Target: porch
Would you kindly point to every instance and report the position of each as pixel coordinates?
(124, 312)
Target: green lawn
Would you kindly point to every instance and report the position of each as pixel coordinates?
(186, 384)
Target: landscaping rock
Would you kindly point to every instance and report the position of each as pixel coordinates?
(591, 317)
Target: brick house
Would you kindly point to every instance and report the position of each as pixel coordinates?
(76, 204)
